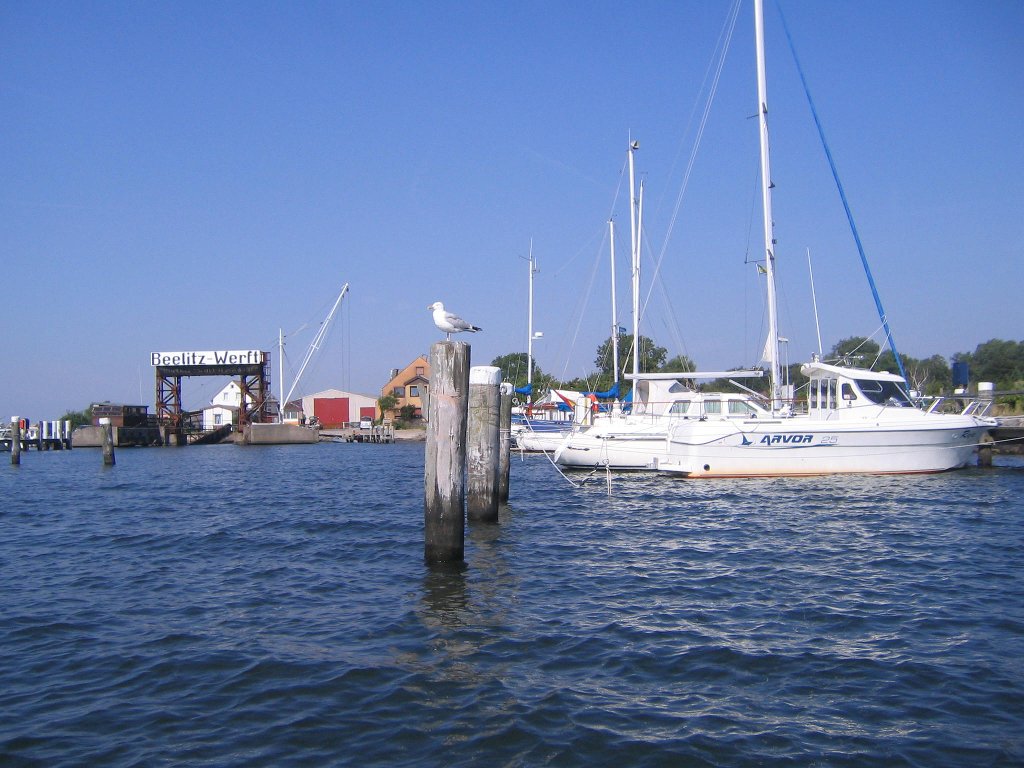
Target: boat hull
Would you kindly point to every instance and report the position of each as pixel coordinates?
(808, 448)
(615, 446)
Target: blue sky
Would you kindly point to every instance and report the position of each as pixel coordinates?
(193, 176)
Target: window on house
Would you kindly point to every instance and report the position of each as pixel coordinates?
(398, 391)
(419, 370)
(414, 391)
(217, 417)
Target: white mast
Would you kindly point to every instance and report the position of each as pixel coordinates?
(772, 342)
(280, 368)
(529, 343)
(615, 316)
(635, 213)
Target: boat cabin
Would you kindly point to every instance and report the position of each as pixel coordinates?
(832, 388)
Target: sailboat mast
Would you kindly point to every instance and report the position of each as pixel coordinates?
(615, 316)
(280, 368)
(772, 343)
(634, 225)
(529, 343)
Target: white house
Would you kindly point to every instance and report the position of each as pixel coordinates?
(223, 408)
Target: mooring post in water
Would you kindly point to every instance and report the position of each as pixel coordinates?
(505, 430)
(444, 468)
(483, 444)
(15, 440)
(107, 431)
(67, 434)
(985, 451)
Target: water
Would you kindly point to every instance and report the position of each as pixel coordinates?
(229, 606)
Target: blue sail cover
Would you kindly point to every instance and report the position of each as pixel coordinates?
(527, 390)
(608, 394)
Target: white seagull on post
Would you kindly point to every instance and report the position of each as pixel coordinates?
(448, 322)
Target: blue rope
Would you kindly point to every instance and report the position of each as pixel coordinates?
(846, 205)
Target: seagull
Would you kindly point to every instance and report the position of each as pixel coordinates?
(448, 322)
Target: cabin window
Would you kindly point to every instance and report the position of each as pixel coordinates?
(713, 406)
(832, 385)
(680, 407)
(740, 408)
(848, 393)
(812, 394)
(883, 392)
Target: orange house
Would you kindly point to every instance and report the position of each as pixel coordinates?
(409, 386)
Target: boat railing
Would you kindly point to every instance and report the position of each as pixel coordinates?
(964, 405)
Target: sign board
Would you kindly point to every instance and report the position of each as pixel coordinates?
(216, 357)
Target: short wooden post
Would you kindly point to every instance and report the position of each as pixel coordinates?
(985, 451)
(108, 442)
(483, 444)
(505, 430)
(444, 469)
(15, 440)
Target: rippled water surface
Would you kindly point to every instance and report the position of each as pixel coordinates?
(226, 606)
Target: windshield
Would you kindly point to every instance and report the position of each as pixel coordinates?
(883, 392)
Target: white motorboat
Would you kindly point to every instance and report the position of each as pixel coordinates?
(856, 420)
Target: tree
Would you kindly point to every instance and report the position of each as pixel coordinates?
(386, 403)
(998, 361)
(78, 418)
(514, 368)
(679, 363)
(652, 357)
(855, 347)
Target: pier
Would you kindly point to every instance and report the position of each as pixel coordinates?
(43, 436)
(379, 433)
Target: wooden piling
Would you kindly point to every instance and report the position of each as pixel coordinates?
(15, 440)
(483, 445)
(444, 470)
(67, 434)
(505, 439)
(108, 442)
(985, 451)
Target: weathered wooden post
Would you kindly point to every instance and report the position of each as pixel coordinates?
(108, 441)
(67, 434)
(985, 451)
(15, 440)
(505, 430)
(444, 468)
(483, 444)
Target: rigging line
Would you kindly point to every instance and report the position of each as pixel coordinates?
(723, 37)
(842, 195)
(731, 24)
(585, 300)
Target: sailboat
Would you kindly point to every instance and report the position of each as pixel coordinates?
(633, 436)
(856, 420)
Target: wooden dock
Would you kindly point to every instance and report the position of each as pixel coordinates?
(382, 433)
